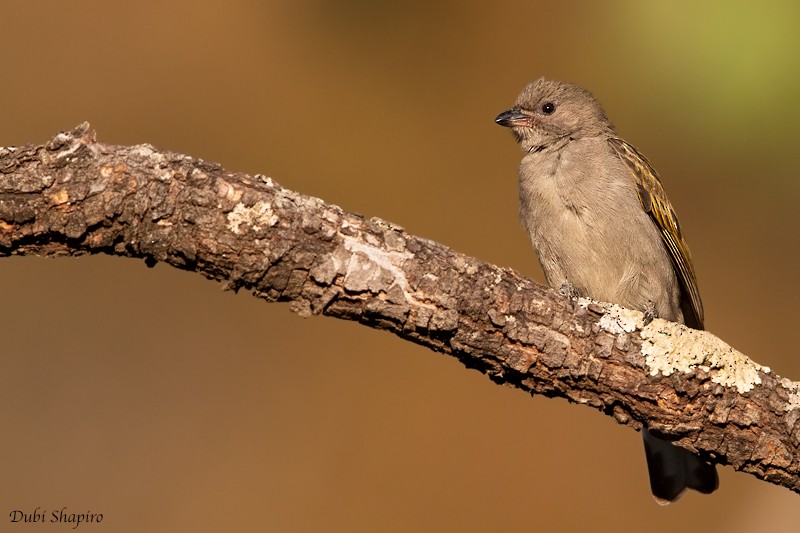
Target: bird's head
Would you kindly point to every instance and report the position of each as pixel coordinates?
(548, 112)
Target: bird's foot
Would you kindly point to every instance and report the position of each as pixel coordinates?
(649, 314)
(572, 295)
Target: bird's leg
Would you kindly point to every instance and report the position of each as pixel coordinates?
(572, 295)
(649, 313)
(568, 290)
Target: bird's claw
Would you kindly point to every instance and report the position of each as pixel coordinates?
(649, 314)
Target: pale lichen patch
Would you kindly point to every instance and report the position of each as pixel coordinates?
(260, 214)
(669, 347)
(615, 319)
(367, 256)
(361, 274)
(374, 268)
(793, 389)
(146, 151)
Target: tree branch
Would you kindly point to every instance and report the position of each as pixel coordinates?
(74, 196)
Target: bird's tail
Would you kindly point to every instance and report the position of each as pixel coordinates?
(673, 470)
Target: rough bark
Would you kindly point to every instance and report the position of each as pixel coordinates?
(74, 196)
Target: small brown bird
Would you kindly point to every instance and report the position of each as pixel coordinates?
(603, 228)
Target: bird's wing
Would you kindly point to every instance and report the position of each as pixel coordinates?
(655, 203)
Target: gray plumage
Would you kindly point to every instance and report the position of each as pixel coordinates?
(602, 226)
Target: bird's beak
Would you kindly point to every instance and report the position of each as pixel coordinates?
(514, 117)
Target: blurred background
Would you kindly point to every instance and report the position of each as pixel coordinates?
(157, 399)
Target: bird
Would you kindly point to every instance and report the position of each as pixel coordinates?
(603, 228)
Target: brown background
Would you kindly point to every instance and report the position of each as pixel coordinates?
(166, 404)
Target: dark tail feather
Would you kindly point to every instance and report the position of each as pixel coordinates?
(673, 470)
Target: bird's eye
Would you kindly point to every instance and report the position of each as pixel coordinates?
(548, 108)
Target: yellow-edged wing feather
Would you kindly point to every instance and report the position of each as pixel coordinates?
(655, 203)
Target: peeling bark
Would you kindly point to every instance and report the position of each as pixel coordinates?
(75, 196)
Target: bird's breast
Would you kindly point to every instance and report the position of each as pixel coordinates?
(588, 227)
